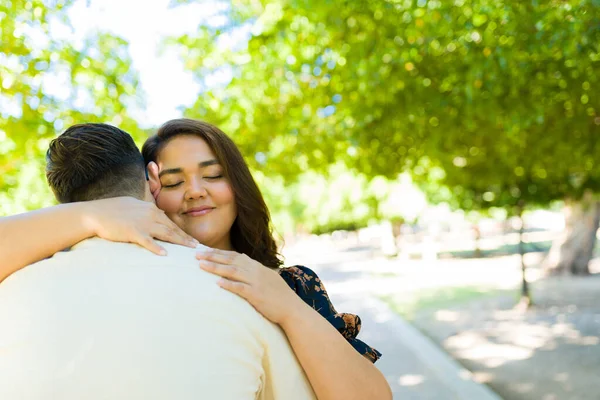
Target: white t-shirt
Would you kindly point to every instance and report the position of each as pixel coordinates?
(114, 321)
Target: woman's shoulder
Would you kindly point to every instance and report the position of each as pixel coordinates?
(307, 284)
(298, 272)
(302, 280)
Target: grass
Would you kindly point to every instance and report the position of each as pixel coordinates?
(385, 274)
(408, 304)
(500, 250)
(505, 249)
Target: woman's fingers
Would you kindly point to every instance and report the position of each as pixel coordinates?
(166, 230)
(239, 288)
(168, 234)
(148, 243)
(214, 256)
(230, 253)
(126, 219)
(226, 271)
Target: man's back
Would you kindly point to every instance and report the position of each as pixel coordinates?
(111, 320)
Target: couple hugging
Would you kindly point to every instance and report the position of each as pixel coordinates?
(208, 313)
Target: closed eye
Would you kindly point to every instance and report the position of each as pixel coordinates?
(213, 177)
(173, 185)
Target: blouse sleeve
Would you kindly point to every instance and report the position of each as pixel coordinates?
(309, 287)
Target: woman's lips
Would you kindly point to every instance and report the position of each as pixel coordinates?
(199, 212)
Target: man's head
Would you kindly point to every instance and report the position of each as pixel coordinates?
(95, 161)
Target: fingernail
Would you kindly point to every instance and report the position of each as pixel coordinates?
(163, 252)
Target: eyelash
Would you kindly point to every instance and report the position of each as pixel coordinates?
(179, 183)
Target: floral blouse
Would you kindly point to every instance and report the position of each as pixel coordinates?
(309, 287)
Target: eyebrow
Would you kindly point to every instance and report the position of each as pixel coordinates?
(203, 164)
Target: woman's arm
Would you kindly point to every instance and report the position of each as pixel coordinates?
(31, 237)
(334, 368)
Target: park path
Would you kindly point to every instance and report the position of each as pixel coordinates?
(414, 366)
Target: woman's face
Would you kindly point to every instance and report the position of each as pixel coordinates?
(195, 194)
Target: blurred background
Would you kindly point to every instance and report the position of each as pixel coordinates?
(437, 162)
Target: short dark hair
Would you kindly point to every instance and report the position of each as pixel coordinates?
(94, 161)
(251, 232)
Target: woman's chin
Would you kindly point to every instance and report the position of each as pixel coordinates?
(209, 240)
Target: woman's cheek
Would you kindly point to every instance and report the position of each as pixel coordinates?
(168, 202)
(225, 193)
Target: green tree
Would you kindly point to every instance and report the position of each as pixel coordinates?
(317, 203)
(47, 84)
(496, 100)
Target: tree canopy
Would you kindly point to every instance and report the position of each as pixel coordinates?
(487, 102)
(50, 80)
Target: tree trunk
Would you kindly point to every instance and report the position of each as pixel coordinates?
(477, 252)
(388, 240)
(525, 293)
(573, 250)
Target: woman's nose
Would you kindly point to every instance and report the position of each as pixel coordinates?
(196, 190)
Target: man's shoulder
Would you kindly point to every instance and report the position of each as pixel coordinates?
(95, 259)
(177, 251)
(102, 253)
(131, 251)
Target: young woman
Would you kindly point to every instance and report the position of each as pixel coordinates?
(202, 184)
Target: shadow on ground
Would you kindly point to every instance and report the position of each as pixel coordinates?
(549, 352)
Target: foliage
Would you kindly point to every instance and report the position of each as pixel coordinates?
(488, 103)
(321, 203)
(51, 80)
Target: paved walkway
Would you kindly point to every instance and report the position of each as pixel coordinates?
(413, 365)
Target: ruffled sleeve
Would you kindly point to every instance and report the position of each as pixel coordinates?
(309, 287)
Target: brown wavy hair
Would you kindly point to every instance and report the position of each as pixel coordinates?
(251, 232)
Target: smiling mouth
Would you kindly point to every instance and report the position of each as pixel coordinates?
(199, 212)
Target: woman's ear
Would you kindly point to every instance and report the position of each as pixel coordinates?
(153, 179)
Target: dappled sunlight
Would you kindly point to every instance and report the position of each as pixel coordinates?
(533, 339)
(523, 388)
(477, 348)
(447, 315)
(590, 340)
(483, 377)
(561, 377)
(530, 353)
(411, 380)
(468, 307)
(381, 319)
(530, 336)
(550, 396)
(595, 265)
(514, 340)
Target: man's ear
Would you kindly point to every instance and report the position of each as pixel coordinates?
(153, 179)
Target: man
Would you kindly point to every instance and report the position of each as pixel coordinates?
(113, 321)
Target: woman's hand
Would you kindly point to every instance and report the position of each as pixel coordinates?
(262, 287)
(126, 219)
